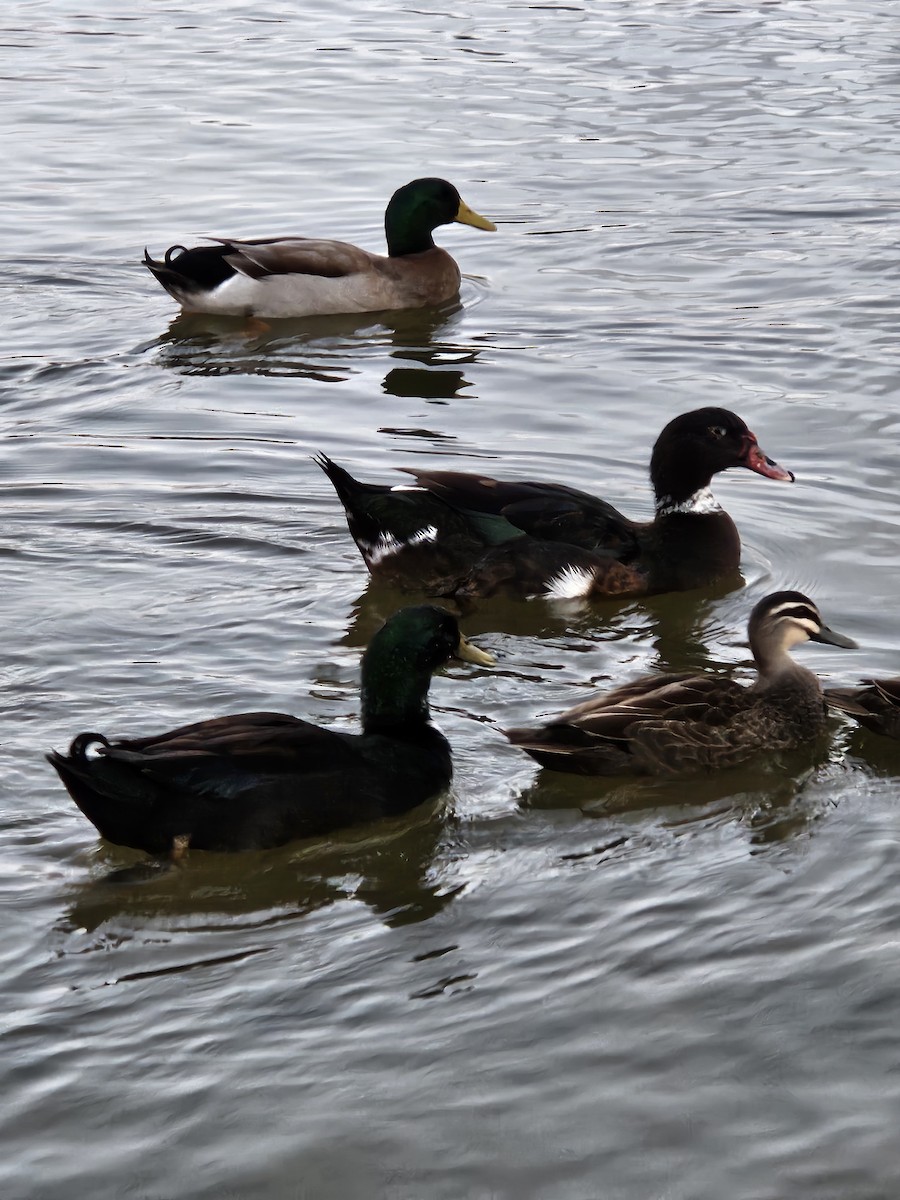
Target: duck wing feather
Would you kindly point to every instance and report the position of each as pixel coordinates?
(248, 781)
(298, 256)
(231, 754)
(549, 511)
(659, 725)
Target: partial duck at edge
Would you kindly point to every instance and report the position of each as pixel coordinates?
(873, 703)
(683, 724)
(255, 780)
(466, 535)
(302, 277)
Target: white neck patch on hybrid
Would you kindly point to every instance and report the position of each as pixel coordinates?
(702, 503)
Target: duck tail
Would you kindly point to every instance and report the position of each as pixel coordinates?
(186, 273)
(164, 272)
(351, 492)
(376, 519)
(115, 798)
(404, 533)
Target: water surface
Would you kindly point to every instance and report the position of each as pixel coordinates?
(537, 986)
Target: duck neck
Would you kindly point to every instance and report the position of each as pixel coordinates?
(699, 503)
(404, 229)
(681, 487)
(778, 670)
(394, 693)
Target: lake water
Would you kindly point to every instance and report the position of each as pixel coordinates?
(539, 987)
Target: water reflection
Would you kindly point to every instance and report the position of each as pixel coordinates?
(393, 868)
(537, 619)
(877, 754)
(328, 349)
(776, 797)
(678, 625)
(424, 384)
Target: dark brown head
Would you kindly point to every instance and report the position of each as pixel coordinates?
(697, 445)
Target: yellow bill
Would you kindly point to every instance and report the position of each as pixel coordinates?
(471, 654)
(468, 216)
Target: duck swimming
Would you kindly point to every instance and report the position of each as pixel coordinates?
(302, 277)
(679, 724)
(460, 534)
(259, 779)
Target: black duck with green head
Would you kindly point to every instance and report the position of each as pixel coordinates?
(254, 780)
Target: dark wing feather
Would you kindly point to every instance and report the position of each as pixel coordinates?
(682, 697)
(409, 537)
(231, 753)
(248, 781)
(548, 511)
(656, 725)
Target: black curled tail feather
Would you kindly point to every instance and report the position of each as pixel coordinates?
(79, 747)
(161, 270)
(120, 802)
(196, 269)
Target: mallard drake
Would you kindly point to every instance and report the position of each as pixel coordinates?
(303, 277)
(471, 535)
(678, 724)
(874, 704)
(260, 779)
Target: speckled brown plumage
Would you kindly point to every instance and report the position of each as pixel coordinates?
(679, 724)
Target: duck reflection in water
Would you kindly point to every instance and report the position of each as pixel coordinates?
(325, 349)
(401, 870)
(775, 802)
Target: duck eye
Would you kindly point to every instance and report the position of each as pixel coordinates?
(718, 431)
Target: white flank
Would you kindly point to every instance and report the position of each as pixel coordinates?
(290, 295)
(571, 583)
(387, 544)
(702, 503)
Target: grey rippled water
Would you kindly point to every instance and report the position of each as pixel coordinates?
(537, 986)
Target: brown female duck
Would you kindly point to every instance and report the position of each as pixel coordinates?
(678, 724)
(472, 535)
